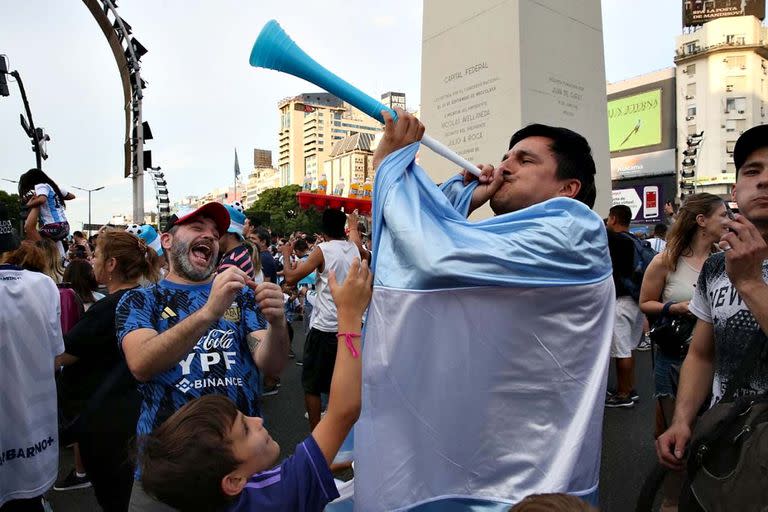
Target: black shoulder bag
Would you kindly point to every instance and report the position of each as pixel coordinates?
(728, 454)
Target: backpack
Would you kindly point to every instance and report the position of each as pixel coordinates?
(644, 253)
(71, 307)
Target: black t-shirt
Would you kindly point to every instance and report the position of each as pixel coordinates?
(268, 266)
(622, 252)
(93, 340)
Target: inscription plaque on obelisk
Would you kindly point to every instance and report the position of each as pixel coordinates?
(490, 67)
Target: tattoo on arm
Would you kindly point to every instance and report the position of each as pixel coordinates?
(253, 342)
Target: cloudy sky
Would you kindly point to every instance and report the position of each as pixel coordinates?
(203, 99)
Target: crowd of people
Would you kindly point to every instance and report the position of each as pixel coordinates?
(148, 353)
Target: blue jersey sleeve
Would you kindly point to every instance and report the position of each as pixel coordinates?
(134, 311)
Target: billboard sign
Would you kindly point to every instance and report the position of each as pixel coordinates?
(644, 201)
(635, 121)
(698, 12)
(644, 164)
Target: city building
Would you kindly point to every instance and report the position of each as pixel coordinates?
(262, 177)
(121, 220)
(642, 140)
(394, 99)
(310, 125)
(350, 159)
(722, 77)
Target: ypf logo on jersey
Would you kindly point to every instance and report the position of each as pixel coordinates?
(232, 314)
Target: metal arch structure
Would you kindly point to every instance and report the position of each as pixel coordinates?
(127, 52)
(161, 195)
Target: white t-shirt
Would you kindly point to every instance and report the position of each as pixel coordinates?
(52, 210)
(338, 255)
(736, 330)
(657, 244)
(30, 338)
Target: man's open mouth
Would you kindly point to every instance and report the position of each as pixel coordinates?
(201, 253)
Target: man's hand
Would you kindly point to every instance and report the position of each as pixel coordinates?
(671, 445)
(269, 296)
(287, 249)
(225, 288)
(406, 131)
(746, 250)
(352, 220)
(488, 183)
(354, 293)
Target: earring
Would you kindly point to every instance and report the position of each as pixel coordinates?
(109, 277)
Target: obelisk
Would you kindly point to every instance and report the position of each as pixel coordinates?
(490, 67)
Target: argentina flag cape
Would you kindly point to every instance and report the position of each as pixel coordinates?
(486, 349)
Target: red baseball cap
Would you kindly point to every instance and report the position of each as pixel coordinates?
(213, 210)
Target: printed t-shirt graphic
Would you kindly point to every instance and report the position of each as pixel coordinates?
(219, 363)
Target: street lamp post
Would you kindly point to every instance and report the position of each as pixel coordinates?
(89, 190)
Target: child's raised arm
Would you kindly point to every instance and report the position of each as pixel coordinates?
(351, 298)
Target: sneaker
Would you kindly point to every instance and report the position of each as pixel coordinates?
(269, 391)
(644, 345)
(614, 401)
(71, 482)
(632, 394)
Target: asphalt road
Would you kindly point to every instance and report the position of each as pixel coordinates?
(627, 456)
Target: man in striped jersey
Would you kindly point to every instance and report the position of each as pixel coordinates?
(234, 252)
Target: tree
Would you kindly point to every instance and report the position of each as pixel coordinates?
(278, 209)
(12, 203)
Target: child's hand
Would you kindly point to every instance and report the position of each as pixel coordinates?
(353, 295)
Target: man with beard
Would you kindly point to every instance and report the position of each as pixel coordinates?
(191, 335)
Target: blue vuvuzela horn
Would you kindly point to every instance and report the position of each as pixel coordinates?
(274, 49)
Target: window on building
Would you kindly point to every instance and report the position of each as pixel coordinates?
(736, 62)
(735, 125)
(692, 47)
(729, 145)
(736, 105)
(692, 129)
(690, 69)
(735, 39)
(691, 112)
(730, 167)
(690, 90)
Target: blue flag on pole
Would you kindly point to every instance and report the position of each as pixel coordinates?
(486, 348)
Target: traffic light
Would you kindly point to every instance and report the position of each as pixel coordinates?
(3, 81)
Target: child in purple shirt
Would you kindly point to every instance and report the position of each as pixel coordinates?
(209, 456)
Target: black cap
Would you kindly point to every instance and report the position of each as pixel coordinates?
(8, 239)
(752, 139)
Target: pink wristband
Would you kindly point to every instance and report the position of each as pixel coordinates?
(348, 340)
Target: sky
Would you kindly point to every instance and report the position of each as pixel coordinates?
(203, 99)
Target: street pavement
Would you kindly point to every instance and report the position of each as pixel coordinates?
(628, 453)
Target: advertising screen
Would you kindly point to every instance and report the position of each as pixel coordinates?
(698, 12)
(635, 121)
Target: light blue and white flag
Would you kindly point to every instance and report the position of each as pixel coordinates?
(486, 348)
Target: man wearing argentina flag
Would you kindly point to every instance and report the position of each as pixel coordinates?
(487, 343)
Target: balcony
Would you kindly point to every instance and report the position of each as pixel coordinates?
(686, 52)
